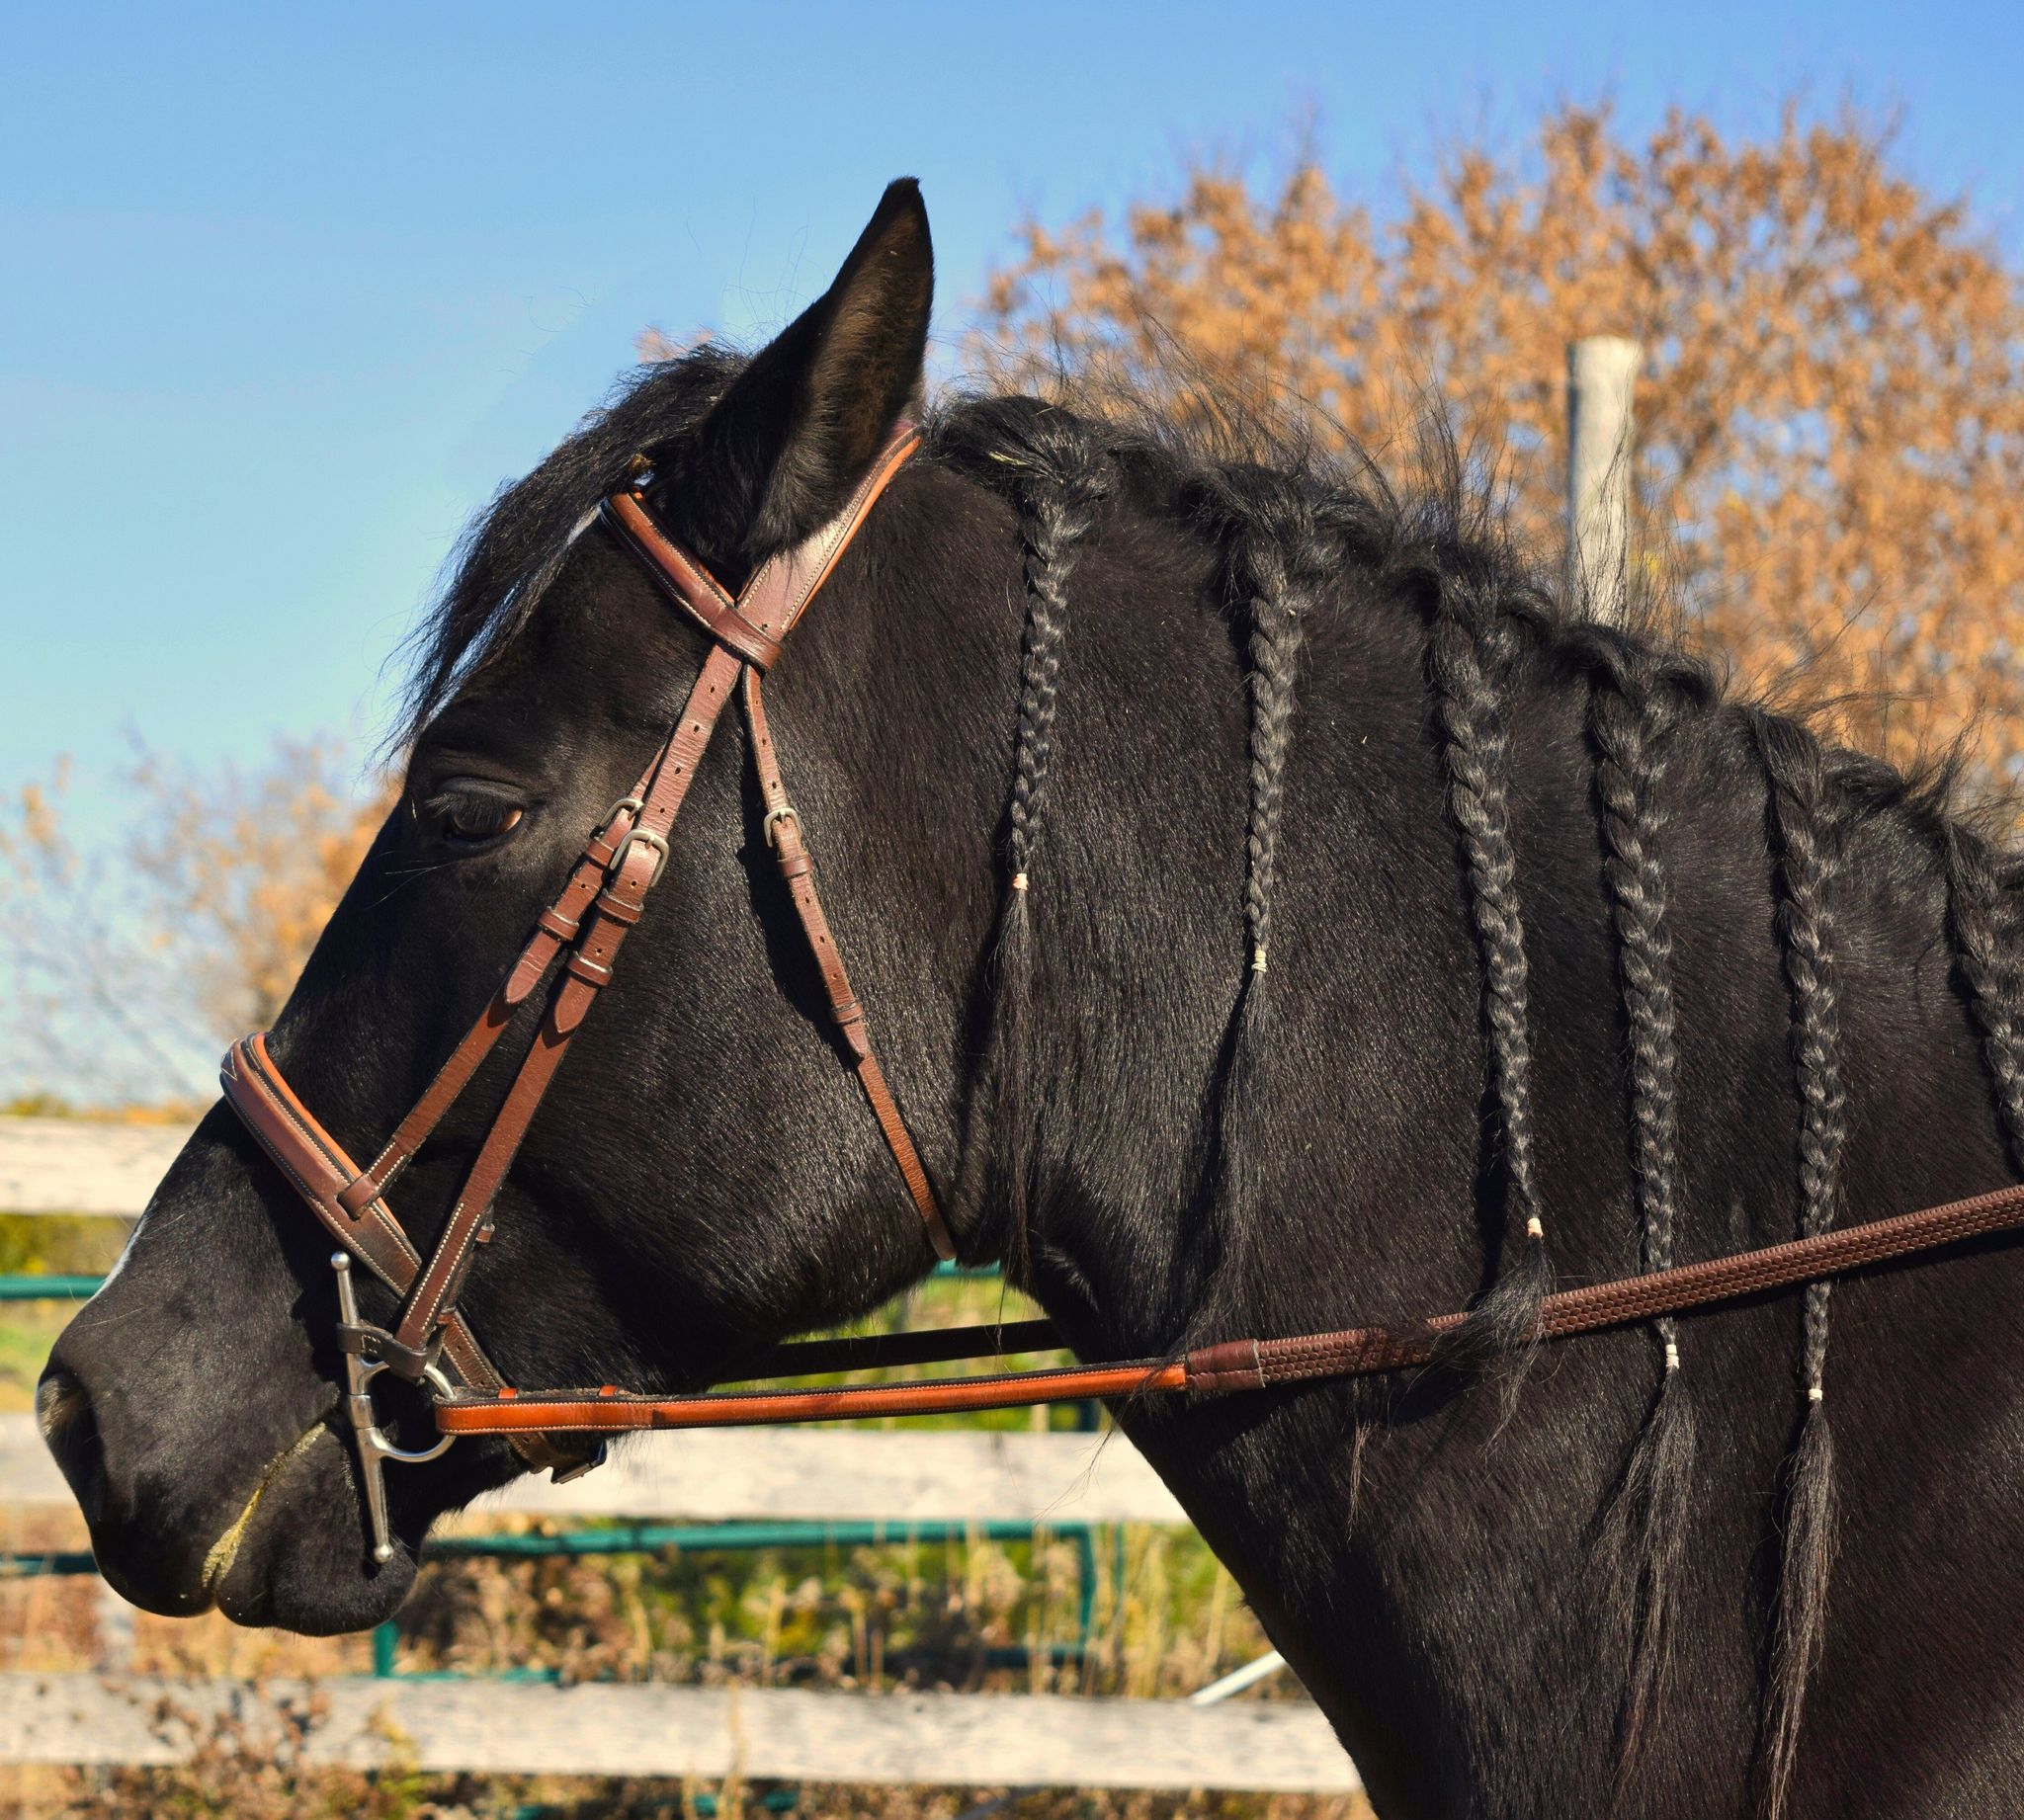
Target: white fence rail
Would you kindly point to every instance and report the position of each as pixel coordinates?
(73, 1166)
(791, 1474)
(506, 1729)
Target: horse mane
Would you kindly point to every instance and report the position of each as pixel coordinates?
(515, 548)
(1284, 513)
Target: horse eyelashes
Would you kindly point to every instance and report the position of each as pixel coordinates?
(471, 818)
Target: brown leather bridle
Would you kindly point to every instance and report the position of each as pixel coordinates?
(584, 927)
(432, 1345)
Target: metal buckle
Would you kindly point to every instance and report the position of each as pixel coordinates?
(374, 1450)
(785, 812)
(629, 805)
(645, 838)
(564, 1475)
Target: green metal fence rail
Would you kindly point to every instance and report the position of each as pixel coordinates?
(749, 1537)
(637, 1539)
(48, 1288)
(37, 1289)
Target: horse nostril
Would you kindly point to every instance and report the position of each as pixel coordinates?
(70, 1427)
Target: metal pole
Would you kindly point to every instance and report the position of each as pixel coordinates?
(1213, 1695)
(1602, 369)
(1237, 1679)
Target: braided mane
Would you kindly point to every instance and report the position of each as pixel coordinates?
(1285, 529)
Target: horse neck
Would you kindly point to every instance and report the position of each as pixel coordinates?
(1429, 1562)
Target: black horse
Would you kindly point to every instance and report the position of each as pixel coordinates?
(1395, 939)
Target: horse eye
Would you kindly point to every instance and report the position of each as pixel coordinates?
(474, 819)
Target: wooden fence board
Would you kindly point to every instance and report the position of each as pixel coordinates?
(49, 1166)
(921, 1476)
(76, 1166)
(918, 1475)
(949, 1739)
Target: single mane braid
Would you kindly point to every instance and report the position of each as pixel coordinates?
(1057, 498)
(1280, 561)
(1470, 657)
(1806, 846)
(1279, 565)
(1630, 715)
(1628, 721)
(1057, 478)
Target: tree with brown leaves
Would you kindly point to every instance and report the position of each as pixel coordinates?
(128, 977)
(1829, 419)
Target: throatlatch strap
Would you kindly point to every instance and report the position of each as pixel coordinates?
(785, 835)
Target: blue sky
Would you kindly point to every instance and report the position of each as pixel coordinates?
(287, 292)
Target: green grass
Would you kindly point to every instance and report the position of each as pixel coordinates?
(45, 1245)
(60, 1244)
(944, 1301)
(26, 1332)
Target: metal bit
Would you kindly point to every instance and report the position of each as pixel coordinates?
(373, 1449)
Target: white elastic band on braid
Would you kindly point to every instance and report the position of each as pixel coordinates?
(1018, 882)
(1815, 1394)
(1258, 960)
(1672, 1356)
(1534, 1230)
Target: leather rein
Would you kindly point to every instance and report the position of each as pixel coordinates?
(432, 1345)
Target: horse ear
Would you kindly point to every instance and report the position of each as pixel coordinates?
(802, 425)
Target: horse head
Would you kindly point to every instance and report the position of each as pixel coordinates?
(700, 1180)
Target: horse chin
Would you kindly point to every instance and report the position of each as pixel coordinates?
(298, 1558)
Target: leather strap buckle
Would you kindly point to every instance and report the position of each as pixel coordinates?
(770, 826)
(596, 1457)
(646, 837)
(625, 805)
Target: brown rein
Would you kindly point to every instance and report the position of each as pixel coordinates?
(1232, 1365)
